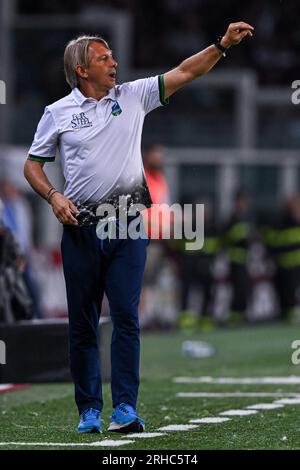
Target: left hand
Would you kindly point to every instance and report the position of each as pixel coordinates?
(235, 33)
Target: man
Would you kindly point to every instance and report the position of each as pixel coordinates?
(282, 239)
(197, 272)
(158, 188)
(153, 313)
(97, 129)
(153, 159)
(238, 234)
(17, 216)
(15, 303)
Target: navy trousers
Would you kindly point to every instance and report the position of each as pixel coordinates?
(92, 267)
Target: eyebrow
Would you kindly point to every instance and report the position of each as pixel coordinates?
(109, 52)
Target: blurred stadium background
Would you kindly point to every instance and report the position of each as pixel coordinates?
(229, 140)
(235, 130)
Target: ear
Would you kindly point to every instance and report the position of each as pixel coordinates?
(81, 71)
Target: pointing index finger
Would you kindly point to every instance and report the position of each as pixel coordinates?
(243, 25)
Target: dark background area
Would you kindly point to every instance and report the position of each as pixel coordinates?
(166, 30)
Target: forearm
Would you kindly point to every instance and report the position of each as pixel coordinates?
(191, 68)
(200, 63)
(61, 206)
(37, 178)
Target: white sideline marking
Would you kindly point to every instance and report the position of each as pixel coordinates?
(234, 395)
(178, 427)
(209, 420)
(238, 412)
(104, 443)
(5, 386)
(289, 380)
(264, 406)
(147, 434)
(288, 401)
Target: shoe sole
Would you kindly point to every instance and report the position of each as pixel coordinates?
(90, 431)
(135, 426)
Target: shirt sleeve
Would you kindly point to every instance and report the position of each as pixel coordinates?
(43, 148)
(150, 92)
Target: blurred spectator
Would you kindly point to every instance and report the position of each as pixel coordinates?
(283, 241)
(158, 298)
(238, 234)
(17, 214)
(18, 218)
(153, 163)
(197, 273)
(158, 187)
(15, 303)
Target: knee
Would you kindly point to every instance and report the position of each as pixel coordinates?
(126, 319)
(83, 335)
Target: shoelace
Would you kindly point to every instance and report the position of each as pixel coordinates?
(127, 409)
(89, 413)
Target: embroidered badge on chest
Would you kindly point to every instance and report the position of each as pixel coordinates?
(80, 120)
(116, 110)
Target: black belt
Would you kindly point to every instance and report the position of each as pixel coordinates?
(88, 214)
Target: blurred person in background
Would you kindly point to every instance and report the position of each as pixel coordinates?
(98, 129)
(153, 157)
(152, 314)
(17, 216)
(15, 303)
(238, 234)
(283, 242)
(196, 273)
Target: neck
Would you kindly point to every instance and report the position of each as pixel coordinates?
(92, 91)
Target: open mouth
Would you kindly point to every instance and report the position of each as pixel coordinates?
(113, 75)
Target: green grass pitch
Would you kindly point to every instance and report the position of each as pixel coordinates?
(46, 413)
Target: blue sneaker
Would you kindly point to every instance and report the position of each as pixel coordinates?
(89, 421)
(125, 419)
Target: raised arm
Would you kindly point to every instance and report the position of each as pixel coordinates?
(201, 63)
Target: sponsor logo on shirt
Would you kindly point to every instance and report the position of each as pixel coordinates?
(80, 120)
(116, 109)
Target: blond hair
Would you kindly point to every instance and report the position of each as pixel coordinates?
(77, 53)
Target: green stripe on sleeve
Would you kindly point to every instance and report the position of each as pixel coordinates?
(40, 159)
(161, 85)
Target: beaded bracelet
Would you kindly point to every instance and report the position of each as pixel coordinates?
(50, 193)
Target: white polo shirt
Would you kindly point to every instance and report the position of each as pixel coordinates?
(100, 141)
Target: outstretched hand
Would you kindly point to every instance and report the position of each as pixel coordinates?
(235, 33)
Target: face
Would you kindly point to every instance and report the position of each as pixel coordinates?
(294, 206)
(243, 204)
(154, 158)
(102, 67)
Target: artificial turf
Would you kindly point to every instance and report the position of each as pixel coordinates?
(46, 413)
